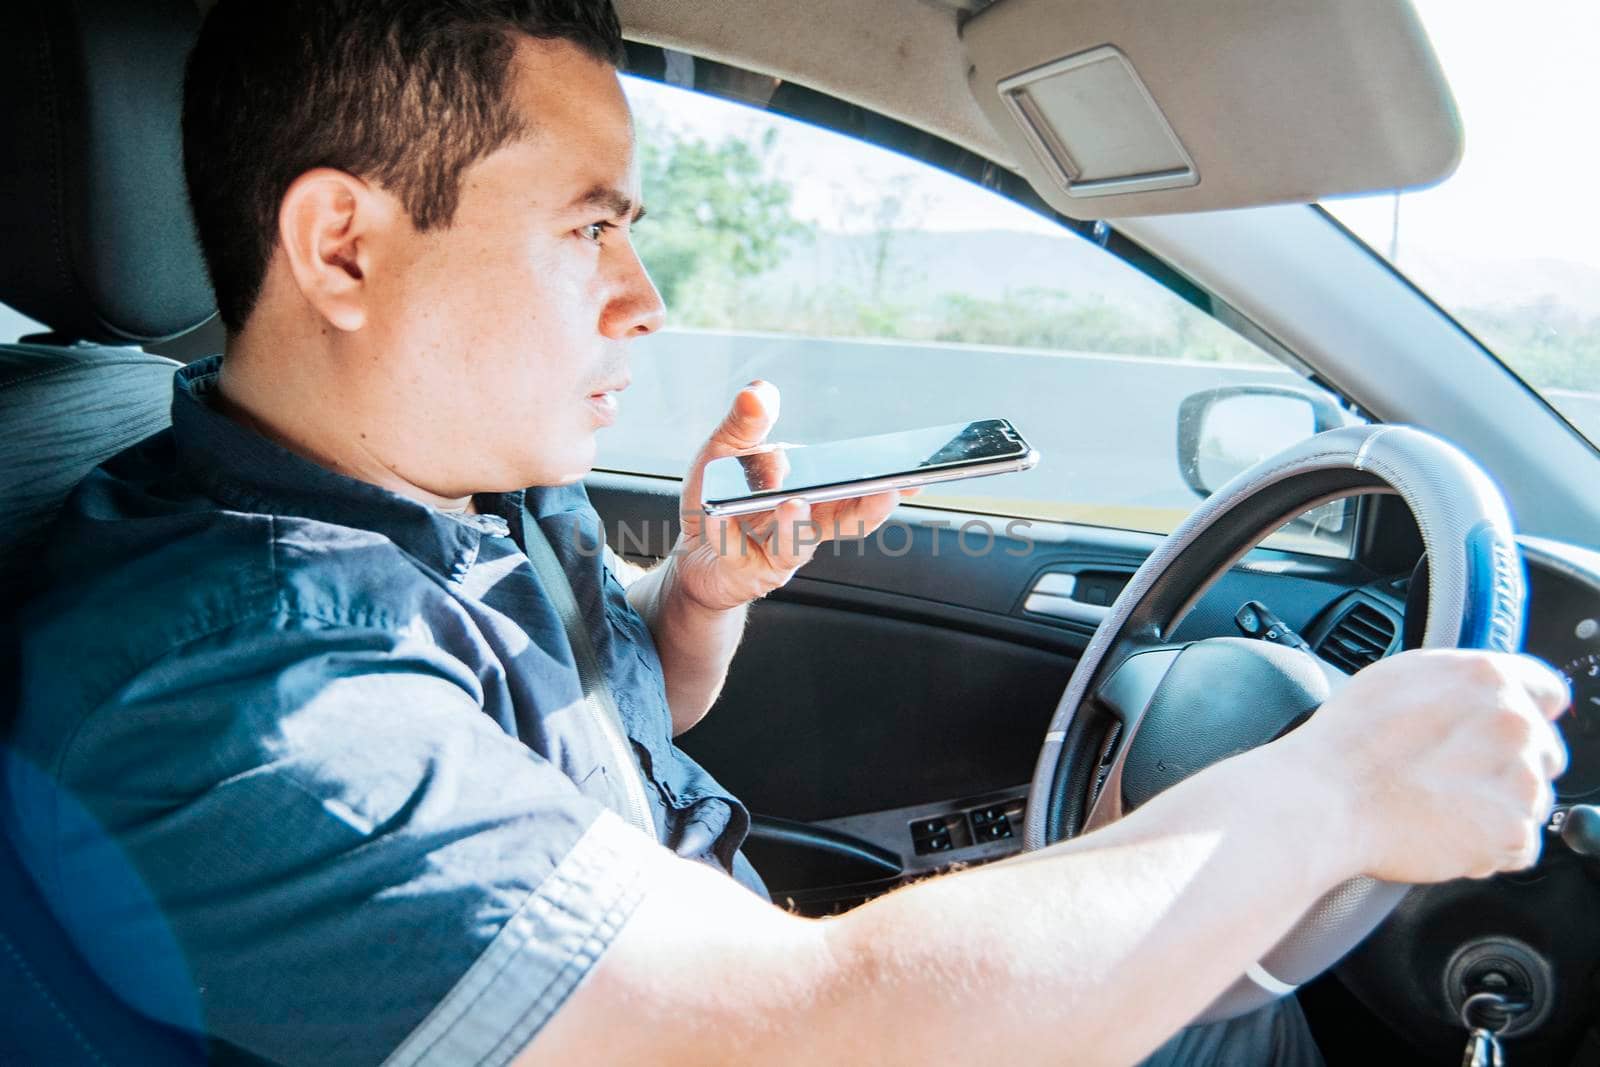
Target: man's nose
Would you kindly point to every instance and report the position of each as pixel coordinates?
(636, 309)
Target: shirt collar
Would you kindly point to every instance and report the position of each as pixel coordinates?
(241, 468)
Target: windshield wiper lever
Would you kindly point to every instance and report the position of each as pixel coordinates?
(1256, 620)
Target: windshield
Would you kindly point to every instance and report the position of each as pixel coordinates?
(1510, 243)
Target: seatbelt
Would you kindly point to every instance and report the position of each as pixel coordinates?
(597, 695)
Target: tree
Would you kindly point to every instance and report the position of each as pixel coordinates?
(714, 211)
(1549, 345)
(883, 216)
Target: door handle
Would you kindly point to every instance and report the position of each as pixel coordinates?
(1052, 595)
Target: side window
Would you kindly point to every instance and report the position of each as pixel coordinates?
(882, 293)
(14, 324)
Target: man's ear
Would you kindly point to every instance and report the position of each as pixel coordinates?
(328, 225)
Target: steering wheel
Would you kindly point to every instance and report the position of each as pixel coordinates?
(1175, 708)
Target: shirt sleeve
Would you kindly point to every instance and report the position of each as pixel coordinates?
(624, 571)
(308, 840)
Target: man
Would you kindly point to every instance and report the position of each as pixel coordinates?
(332, 732)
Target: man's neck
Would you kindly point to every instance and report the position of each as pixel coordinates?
(276, 400)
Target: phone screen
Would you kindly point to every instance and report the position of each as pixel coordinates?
(790, 468)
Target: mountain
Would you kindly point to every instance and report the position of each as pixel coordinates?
(990, 263)
(1467, 281)
(980, 263)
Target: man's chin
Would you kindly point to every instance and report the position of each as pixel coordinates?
(569, 479)
(572, 466)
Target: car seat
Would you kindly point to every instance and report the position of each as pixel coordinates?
(95, 243)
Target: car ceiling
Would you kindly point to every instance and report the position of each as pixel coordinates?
(900, 58)
(1277, 100)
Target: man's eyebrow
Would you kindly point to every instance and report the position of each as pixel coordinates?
(612, 199)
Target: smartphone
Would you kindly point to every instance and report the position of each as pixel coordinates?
(765, 477)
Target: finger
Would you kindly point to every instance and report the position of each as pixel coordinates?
(1544, 684)
(759, 526)
(747, 423)
(858, 516)
(754, 410)
(795, 537)
(1542, 747)
(1547, 804)
(866, 508)
(1552, 751)
(1524, 852)
(765, 470)
(723, 533)
(873, 511)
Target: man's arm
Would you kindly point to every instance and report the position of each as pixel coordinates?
(695, 601)
(302, 835)
(1427, 767)
(1093, 954)
(695, 643)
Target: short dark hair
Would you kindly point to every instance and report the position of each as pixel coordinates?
(406, 93)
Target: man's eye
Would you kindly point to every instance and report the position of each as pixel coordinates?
(595, 230)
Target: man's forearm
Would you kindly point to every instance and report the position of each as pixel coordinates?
(695, 643)
(1091, 952)
(1111, 942)
(1423, 768)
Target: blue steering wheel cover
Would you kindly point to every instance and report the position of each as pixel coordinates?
(1496, 591)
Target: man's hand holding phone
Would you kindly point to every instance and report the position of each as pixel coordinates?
(723, 562)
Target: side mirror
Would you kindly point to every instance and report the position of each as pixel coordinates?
(1224, 431)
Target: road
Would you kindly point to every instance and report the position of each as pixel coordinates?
(1105, 425)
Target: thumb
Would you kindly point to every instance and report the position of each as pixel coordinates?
(749, 420)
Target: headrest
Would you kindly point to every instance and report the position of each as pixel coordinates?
(96, 239)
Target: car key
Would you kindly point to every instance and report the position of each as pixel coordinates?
(1483, 1041)
(1483, 1049)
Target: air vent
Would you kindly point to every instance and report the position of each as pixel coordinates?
(1361, 636)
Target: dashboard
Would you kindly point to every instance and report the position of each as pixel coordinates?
(1533, 928)
(1563, 629)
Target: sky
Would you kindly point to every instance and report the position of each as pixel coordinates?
(1525, 82)
(1527, 86)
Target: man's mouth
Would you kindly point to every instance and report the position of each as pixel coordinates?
(603, 402)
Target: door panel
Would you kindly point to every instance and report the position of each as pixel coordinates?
(829, 712)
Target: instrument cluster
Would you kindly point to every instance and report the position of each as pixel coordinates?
(1563, 629)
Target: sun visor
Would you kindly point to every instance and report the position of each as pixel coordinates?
(1150, 107)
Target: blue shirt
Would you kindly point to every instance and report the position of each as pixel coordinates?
(307, 766)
